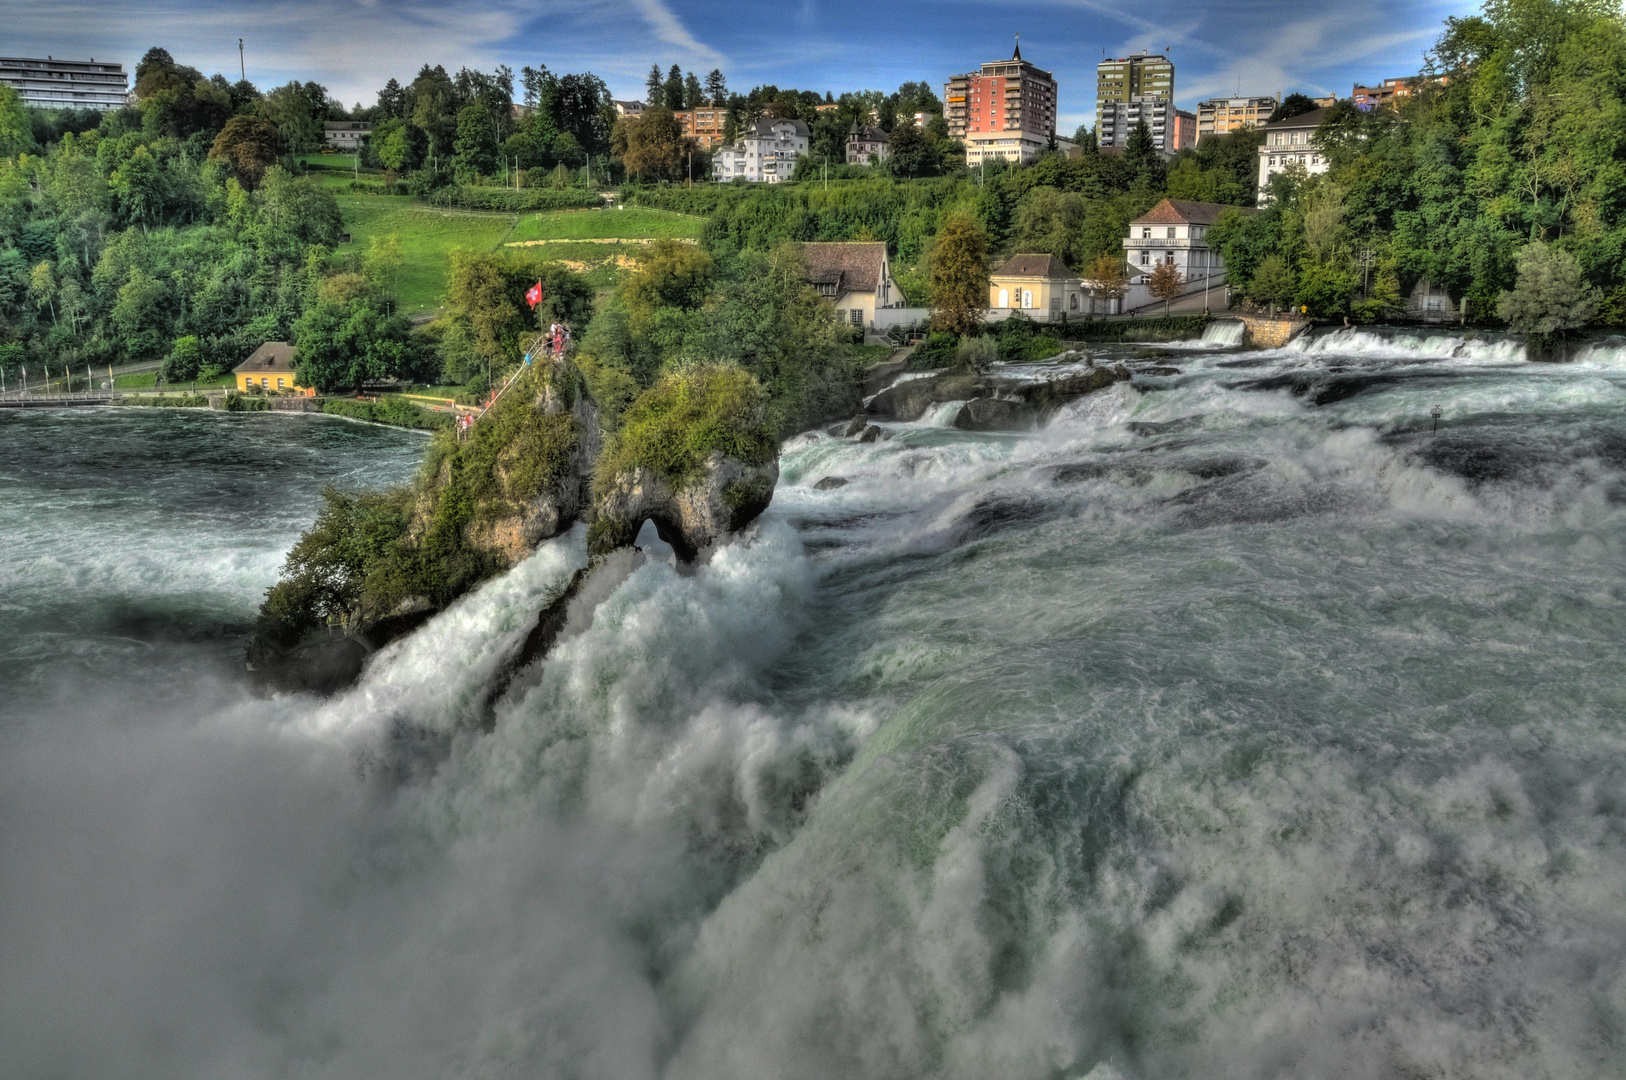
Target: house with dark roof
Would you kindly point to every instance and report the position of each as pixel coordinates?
(1039, 286)
(855, 277)
(270, 370)
(867, 144)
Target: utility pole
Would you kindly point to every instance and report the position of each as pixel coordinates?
(242, 71)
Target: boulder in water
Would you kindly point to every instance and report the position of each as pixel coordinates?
(856, 426)
(995, 414)
(830, 483)
(871, 434)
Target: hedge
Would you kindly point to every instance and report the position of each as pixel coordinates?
(391, 410)
(507, 200)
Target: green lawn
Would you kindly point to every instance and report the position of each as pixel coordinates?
(633, 224)
(427, 238)
(143, 380)
(346, 162)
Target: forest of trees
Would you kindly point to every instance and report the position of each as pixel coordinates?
(185, 227)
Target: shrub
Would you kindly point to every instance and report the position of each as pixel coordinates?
(976, 353)
(937, 351)
(507, 200)
(673, 427)
(239, 403)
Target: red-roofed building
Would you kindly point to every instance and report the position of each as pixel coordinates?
(1176, 231)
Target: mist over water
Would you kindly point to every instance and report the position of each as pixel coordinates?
(1236, 724)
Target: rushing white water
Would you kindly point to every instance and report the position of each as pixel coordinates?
(1237, 723)
(1224, 333)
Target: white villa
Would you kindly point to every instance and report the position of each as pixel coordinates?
(765, 153)
(1175, 231)
(1290, 142)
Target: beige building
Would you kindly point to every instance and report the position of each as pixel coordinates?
(1039, 286)
(856, 277)
(1221, 116)
(704, 125)
(866, 143)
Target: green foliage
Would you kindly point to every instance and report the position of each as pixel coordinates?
(1163, 328)
(1551, 298)
(240, 403)
(939, 350)
(1273, 282)
(395, 411)
(507, 200)
(960, 274)
(674, 427)
(184, 361)
(166, 401)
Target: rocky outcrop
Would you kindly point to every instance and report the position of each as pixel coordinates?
(727, 496)
(527, 518)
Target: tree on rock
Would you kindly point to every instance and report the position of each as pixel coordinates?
(960, 274)
(1551, 299)
(695, 454)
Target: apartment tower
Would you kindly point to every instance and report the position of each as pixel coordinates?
(1007, 109)
(65, 84)
(1127, 87)
(1221, 116)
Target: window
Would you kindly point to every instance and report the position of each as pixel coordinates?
(1145, 258)
(857, 316)
(265, 382)
(1004, 298)
(1146, 234)
(279, 382)
(1027, 298)
(1171, 232)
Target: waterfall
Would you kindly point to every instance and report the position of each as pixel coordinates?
(1224, 334)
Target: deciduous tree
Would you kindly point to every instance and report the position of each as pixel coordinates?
(250, 145)
(960, 274)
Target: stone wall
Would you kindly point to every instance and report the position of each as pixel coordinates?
(1266, 333)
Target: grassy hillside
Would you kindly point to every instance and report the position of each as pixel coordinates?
(604, 244)
(427, 238)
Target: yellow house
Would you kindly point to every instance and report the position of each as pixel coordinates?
(1039, 286)
(270, 370)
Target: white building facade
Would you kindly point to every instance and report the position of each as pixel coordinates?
(1288, 143)
(66, 84)
(765, 153)
(1175, 231)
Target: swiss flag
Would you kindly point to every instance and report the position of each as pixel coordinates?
(534, 296)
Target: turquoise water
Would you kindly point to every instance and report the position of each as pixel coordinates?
(1237, 724)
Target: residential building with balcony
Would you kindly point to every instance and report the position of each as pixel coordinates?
(1119, 81)
(765, 153)
(628, 108)
(1175, 231)
(1118, 120)
(703, 125)
(1287, 143)
(66, 84)
(1004, 110)
(1221, 116)
(1391, 91)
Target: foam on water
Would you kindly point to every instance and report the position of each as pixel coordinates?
(1352, 342)
(1208, 731)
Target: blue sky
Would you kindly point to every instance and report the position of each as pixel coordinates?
(352, 46)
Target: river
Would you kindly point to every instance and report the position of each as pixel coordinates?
(1239, 724)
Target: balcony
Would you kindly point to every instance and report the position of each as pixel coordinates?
(1179, 243)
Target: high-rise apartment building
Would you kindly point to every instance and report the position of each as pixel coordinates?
(1007, 109)
(1221, 116)
(65, 84)
(1120, 81)
(1118, 120)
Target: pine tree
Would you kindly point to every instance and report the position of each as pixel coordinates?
(655, 86)
(674, 88)
(693, 95)
(716, 89)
